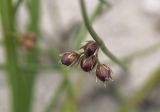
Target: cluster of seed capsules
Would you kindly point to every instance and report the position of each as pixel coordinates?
(88, 60)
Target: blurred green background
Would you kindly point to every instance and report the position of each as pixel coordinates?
(33, 80)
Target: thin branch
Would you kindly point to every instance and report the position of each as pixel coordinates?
(65, 84)
(56, 95)
(82, 32)
(97, 38)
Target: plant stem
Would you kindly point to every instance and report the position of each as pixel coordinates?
(138, 96)
(65, 84)
(82, 32)
(15, 78)
(55, 96)
(97, 38)
(32, 56)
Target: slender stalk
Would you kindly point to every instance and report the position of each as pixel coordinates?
(140, 94)
(97, 38)
(55, 97)
(69, 105)
(15, 78)
(32, 56)
(65, 84)
(82, 32)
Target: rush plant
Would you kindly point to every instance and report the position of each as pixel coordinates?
(22, 68)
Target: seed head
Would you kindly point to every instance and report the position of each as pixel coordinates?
(90, 47)
(103, 72)
(88, 63)
(69, 58)
(28, 41)
(30, 36)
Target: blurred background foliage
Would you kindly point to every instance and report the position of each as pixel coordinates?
(35, 81)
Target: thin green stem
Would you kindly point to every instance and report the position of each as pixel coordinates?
(32, 56)
(65, 84)
(55, 97)
(97, 38)
(69, 105)
(82, 32)
(140, 94)
(15, 78)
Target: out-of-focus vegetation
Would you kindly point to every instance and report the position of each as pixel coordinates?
(22, 66)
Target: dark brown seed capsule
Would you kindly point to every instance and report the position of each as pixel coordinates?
(69, 58)
(103, 72)
(90, 48)
(88, 63)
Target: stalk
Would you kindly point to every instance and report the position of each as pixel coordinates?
(96, 37)
(15, 78)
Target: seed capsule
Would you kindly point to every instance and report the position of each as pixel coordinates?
(69, 58)
(88, 63)
(103, 72)
(30, 36)
(28, 41)
(90, 48)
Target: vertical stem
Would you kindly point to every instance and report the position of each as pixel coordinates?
(15, 79)
(96, 37)
(50, 106)
(32, 56)
(82, 32)
(65, 84)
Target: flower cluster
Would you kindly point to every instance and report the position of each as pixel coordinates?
(88, 60)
